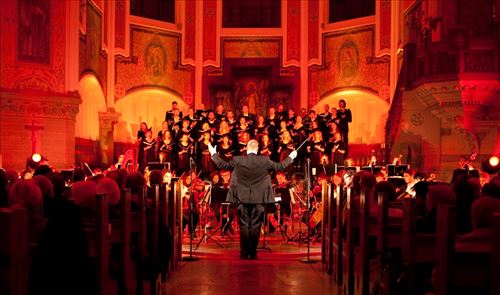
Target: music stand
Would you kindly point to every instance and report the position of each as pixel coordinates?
(208, 236)
(396, 170)
(372, 169)
(266, 224)
(159, 166)
(308, 259)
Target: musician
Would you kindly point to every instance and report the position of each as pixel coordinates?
(409, 190)
(231, 120)
(281, 111)
(212, 121)
(185, 150)
(249, 117)
(283, 190)
(272, 119)
(219, 112)
(316, 149)
(223, 130)
(267, 146)
(164, 128)
(186, 129)
(170, 114)
(202, 113)
(243, 139)
(290, 120)
(225, 148)
(243, 126)
(148, 147)
(261, 127)
(286, 146)
(141, 134)
(326, 116)
(337, 151)
(175, 121)
(207, 166)
(344, 117)
(166, 152)
(251, 187)
(193, 119)
(190, 215)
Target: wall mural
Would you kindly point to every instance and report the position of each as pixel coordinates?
(155, 59)
(251, 48)
(348, 61)
(34, 31)
(252, 91)
(33, 45)
(154, 62)
(92, 58)
(350, 64)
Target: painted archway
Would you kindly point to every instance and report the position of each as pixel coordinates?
(144, 105)
(93, 102)
(369, 114)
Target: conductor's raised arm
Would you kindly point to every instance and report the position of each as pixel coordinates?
(221, 164)
(274, 166)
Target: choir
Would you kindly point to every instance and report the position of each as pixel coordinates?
(183, 140)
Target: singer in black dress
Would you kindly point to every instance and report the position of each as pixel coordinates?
(185, 151)
(207, 165)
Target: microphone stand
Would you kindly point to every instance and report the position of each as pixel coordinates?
(191, 216)
(308, 259)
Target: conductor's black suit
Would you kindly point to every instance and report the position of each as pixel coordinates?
(251, 187)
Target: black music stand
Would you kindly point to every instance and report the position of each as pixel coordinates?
(159, 166)
(308, 259)
(206, 235)
(396, 170)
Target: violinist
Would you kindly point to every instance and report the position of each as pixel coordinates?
(190, 215)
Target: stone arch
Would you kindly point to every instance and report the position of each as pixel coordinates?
(93, 102)
(144, 105)
(369, 114)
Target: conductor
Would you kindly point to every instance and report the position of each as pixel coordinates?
(251, 187)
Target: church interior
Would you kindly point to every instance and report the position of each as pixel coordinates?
(389, 110)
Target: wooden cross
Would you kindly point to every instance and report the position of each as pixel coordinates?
(34, 128)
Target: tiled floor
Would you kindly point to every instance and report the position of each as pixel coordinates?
(220, 271)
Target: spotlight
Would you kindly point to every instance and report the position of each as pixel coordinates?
(35, 160)
(493, 161)
(491, 165)
(36, 157)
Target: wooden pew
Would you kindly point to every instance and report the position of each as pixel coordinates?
(98, 236)
(121, 231)
(339, 194)
(348, 246)
(14, 259)
(327, 228)
(174, 206)
(388, 233)
(465, 265)
(361, 258)
(416, 248)
(155, 283)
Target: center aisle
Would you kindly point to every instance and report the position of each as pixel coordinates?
(220, 271)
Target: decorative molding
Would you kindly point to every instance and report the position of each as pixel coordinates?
(40, 105)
